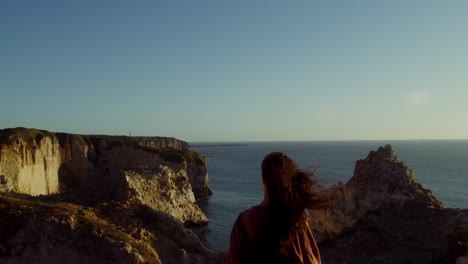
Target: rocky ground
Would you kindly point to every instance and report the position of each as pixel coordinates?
(67, 228)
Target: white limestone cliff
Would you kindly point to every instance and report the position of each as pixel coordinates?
(30, 167)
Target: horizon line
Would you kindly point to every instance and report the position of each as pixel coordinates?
(326, 140)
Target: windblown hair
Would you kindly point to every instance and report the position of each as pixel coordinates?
(291, 192)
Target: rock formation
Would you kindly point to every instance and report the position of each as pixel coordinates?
(79, 198)
(38, 162)
(166, 190)
(382, 215)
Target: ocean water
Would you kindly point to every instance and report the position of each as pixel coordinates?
(235, 178)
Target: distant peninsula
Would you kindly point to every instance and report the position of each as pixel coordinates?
(204, 145)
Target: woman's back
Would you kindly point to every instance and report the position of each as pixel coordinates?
(277, 231)
(252, 241)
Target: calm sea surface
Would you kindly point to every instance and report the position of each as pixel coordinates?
(234, 173)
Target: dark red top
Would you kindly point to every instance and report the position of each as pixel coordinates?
(247, 244)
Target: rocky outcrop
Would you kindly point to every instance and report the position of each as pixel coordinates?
(166, 190)
(199, 182)
(381, 181)
(382, 215)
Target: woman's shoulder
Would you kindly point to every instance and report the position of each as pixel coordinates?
(255, 212)
(253, 219)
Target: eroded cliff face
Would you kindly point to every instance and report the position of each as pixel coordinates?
(38, 162)
(166, 190)
(30, 167)
(198, 178)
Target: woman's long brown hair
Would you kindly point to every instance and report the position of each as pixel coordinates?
(291, 191)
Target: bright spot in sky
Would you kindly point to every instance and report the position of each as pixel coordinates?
(418, 98)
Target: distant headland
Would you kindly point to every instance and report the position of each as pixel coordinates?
(204, 145)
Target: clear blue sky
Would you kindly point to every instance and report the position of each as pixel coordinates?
(237, 70)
